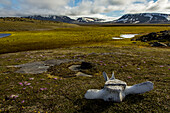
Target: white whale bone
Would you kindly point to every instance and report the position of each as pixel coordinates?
(116, 90)
(105, 76)
(139, 88)
(113, 76)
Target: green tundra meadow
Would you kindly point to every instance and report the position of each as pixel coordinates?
(59, 90)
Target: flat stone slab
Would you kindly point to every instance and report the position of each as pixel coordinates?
(40, 67)
(33, 70)
(75, 67)
(83, 74)
(28, 65)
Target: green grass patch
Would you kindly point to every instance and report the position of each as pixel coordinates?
(23, 24)
(67, 37)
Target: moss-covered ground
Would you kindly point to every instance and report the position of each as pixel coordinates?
(69, 37)
(61, 91)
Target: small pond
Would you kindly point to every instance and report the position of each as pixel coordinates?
(4, 35)
(123, 36)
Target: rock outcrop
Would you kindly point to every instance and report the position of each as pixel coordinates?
(156, 39)
(161, 36)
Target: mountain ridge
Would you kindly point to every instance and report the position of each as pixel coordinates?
(140, 18)
(144, 18)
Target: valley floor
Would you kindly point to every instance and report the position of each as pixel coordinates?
(59, 89)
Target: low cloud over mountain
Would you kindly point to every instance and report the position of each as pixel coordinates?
(147, 18)
(113, 8)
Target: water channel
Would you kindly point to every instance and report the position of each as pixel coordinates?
(4, 35)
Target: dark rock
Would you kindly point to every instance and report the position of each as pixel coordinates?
(86, 65)
(161, 36)
(83, 66)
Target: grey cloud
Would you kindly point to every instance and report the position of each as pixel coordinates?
(86, 7)
(6, 2)
(158, 5)
(153, 8)
(98, 6)
(44, 4)
(101, 6)
(116, 2)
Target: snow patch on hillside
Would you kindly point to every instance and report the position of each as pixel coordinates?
(99, 16)
(149, 15)
(168, 18)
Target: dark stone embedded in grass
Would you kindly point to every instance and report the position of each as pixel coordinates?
(86, 65)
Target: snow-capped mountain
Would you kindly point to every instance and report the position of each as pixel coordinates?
(127, 18)
(65, 19)
(89, 20)
(144, 18)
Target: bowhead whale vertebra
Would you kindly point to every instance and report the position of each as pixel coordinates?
(116, 90)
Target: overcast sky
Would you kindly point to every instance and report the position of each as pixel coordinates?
(98, 8)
